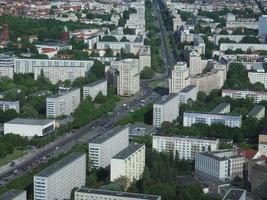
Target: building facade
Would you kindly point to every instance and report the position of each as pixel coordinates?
(243, 94)
(93, 89)
(179, 77)
(255, 77)
(8, 105)
(188, 93)
(258, 112)
(262, 146)
(6, 66)
(14, 194)
(262, 25)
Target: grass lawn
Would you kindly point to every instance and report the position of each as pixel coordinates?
(155, 84)
(16, 154)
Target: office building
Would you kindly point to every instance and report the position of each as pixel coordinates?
(8, 105)
(107, 145)
(262, 146)
(94, 88)
(262, 25)
(233, 121)
(29, 127)
(224, 165)
(97, 194)
(188, 93)
(6, 66)
(63, 103)
(144, 58)
(185, 146)
(256, 96)
(130, 162)
(260, 77)
(179, 77)
(165, 109)
(14, 194)
(222, 108)
(235, 194)
(258, 112)
(58, 180)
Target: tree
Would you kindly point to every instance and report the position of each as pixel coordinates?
(250, 40)
(98, 69)
(147, 73)
(123, 182)
(109, 53)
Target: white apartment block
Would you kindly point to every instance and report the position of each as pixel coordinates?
(185, 146)
(255, 77)
(258, 112)
(262, 146)
(29, 127)
(97, 194)
(94, 88)
(58, 180)
(23, 65)
(179, 77)
(130, 163)
(63, 103)
(224, 165)
(233, 121)
(144, 58)
(196, 64)
(262, 25)
(222, 108)
(6, 66)
(243, 46)
(14, 194)
(8, 105)
(188, 93)
(107, 145)
(256, 96)
(165, 109)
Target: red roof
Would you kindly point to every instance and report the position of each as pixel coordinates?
(48, 50)
(248, 154)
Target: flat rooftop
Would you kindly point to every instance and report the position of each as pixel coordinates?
(11, 194)
(188, 88)
(209, 113)
(165, 99)
(60, 164)
(118, 194)
(95, 83)
(186, 137)
(128, 151)
(234, 194)
(26, 121)
(63, 93)
(109, 134)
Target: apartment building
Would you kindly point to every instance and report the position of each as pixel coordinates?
(14, 194)
(63, 103)
(233, 121)
(94, 88)
(196, 64)
(243, 46)
(58, 180)
(165, 109)
(188, 93)
(185, 146)
(256, 96)
(262, 25)
(258, 112)
(262, 146)
(8, 105)
(130, 162)
(6, 66)
(179, 77)
(255, 77)
(224, 165)
(98, 194)
(222, 108)
(107, 145)
(144, 58)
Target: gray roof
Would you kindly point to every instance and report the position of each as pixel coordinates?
(186, 137)
(119, 194)
(214, 155)
(188, 88)
(208, 113)
(234, 194)
(11, 194)
(60, 164)
(64, 93)
(219, 108)
(27, 121)
(165, 99)
(255, 110)
(128, 151)
(109, 134)
(95, 83)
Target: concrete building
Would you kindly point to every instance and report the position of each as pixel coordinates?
(179, 77)
(107, 145)
(256, 96)
(165, 109)
(224, 165)
(196, 64)
(130, 163)
(235, 194)
(200, 43)
(258, 112)
(14, 194)
(233, 121)
(243, 46)
(58, 180)
(63, 103)
(262, 146)
(222, 108)
(29, 127)
(8, 105)
(94, 88)
(97, 194)
(258, 180)
(185, 146)
(177, 23)
(144, 58)
(255, 77)
(6, 66)
(209, 81)
(188, 93)
(262, 25)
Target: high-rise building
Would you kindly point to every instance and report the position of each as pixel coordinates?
(130, 162)
(262, 25)
(5, 32)
(94, 88)
(63, 103)
(179, 77)
(185, 146)
(14, 194)
(165, 109)
(196, 64)
(224, 165)
(188, 93)
(107, 145)
(58, 180)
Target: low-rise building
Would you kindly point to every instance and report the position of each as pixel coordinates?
(188, 93)
(8, 105)
(222, 108)
(235, 194)
(185, 146)
(260, 77)
(58, 180)
(130, 162)
(29, 127)
(6, 66)
(97, 194)
(243, 46)
(257, 112)
(224, 165)
(14, 194)
(94, 88)
(256, 96)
